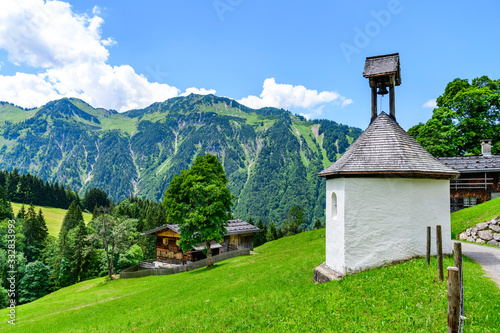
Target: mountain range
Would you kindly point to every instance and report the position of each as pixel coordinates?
(271, 157)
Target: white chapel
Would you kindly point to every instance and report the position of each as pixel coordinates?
(385, 190)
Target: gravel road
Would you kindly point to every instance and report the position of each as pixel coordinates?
(486, 256)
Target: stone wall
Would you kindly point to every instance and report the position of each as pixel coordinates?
(484, 232)
(135, 271)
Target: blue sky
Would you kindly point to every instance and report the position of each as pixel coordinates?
(305, 56)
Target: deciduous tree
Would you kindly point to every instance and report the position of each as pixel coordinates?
(200, 202)
(113, 234)
(466, 113)
(35, 282)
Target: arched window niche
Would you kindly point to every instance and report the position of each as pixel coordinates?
(334, 206)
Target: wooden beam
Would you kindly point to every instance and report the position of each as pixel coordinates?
(392, 104)
(374, 103)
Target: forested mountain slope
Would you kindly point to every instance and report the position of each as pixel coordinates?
(271, 157)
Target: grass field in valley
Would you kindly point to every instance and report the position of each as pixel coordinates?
(53, 216)
(469, 217)
(268, 291)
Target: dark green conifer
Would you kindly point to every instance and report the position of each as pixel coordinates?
(271, 232)
(5, 206)
(21, 213)
(78, 249)
(71, 220)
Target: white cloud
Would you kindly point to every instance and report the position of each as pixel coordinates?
(71, 55)
(96, 10)
(346, 102)
(197, 91)
(48, 34)
(288, 96)
(430, 104)
(313, 113)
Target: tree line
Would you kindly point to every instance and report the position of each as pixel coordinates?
(28, 189)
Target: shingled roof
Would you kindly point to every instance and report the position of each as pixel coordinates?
(470, 164)
(386, 149)
(383, 65)
(235, 227)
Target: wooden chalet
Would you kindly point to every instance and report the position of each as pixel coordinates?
(479, 179)
(239, 236)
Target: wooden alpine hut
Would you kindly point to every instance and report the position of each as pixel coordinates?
(239, 235)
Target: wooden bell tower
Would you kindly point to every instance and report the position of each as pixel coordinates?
(383, 72)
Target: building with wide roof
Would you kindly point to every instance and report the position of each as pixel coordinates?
(239, 235)
(479, 179)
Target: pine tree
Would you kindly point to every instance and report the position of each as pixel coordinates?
(78, 249)
(42, 231)
(95, 213)
(271, 232)
(29, 225)
(260, 237)
(95, 197)
(5, 206)
(21, 213)
(35, 233)
(11, 184)
(279, 233)
(71, 220)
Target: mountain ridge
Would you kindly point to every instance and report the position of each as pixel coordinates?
(271, 156)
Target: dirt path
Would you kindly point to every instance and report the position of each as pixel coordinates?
(487, 257)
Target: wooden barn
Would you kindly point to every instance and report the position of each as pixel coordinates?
(239, 236)
(479, 179)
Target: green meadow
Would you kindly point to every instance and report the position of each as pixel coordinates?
(53, 216)
(270, 291)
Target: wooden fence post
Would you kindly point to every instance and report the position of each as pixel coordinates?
(457, 257)
(453, 299)
(439, 243)
(428, 252)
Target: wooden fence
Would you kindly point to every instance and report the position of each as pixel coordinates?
(136, 271)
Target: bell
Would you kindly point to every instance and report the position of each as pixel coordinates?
(382, 91)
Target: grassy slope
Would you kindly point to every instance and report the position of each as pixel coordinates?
(270, 291)
(53, 216)
(469, 217)
(14, 114)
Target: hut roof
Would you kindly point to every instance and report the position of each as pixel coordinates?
(383, 65)
(386, 149)
(470, 164)
(234, 227)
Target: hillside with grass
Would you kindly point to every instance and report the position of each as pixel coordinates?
(53, 216)
(271, 290)
(469, 217)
